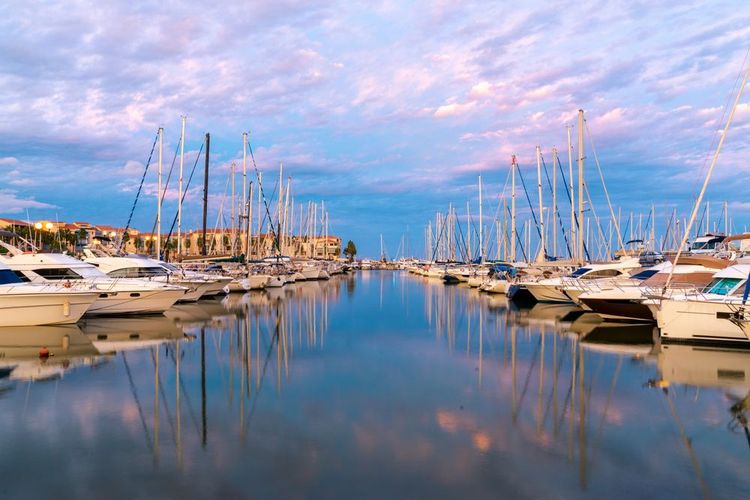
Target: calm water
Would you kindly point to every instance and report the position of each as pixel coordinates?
(379, 385)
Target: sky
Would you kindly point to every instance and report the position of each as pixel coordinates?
(387, 111)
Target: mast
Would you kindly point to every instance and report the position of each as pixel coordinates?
(179, 196)
(580, 186)
(468, 232)
(279, 209)
(542, 250)
(246, 209)
(709, 173)
(234, 220)
(481, 241)
(158, 196)
(249, 229)
(205, 192)
(573, 241)
(513, 209)
(554, 201)
(726, 218)
(260, 221)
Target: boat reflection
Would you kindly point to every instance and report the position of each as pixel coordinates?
(110, 335)
(721, 368)
(36, 353)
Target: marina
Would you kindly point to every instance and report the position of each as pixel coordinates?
(370, 384)
(375, 250)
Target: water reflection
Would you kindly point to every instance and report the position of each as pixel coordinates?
(380, 384)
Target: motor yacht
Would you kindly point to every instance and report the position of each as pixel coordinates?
(150, 270)
(717, 313)
(27, 304)
(554, 289)
(116, 296)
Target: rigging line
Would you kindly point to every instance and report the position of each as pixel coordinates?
(440, 236)
(166, 186)
(137, 403)
(518, 238)
(556, 210)
(531, 207)
(700, 222)
(709, 173)
(604, 186)
(274, 339)
(265, 203)
(597, 221)
(716, 133)
(666, 232)
(185, 191)
(138, 194)
(163, 399)
(575, 215)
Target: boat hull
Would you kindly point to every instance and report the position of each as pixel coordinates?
(40, 308)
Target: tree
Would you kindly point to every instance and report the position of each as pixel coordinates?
(350, 250)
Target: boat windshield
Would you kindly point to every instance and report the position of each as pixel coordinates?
(580, 272)
(722, 286)
(704, 245)
(644, 275)
(57, 273)
(138, 272)
(8, 277)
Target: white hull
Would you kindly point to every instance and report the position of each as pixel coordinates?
(495, 286)
(476, 281)
(35, 307)
(275, 282)
(136, 302)
(547, 292)
(699, 321)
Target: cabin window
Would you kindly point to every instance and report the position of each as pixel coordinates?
(61, 273)
(721, 286)
(8, 277)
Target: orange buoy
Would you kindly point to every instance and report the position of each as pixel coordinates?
(44, 352)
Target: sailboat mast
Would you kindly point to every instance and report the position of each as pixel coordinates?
(573, 240)
(513, 209)
(246, 210)
(468, 232)
(554, 201)
(158, 196)
(234, 223)
(481, 240)
(179, 196)
(541, 201)
(580, 186)
(280, 197)
(260, 212)
(205, 193)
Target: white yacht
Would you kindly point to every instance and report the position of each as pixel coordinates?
(554, 289)
(116, 296)
(26, 304)
(715, 314)
(628, 299)
(151, 270)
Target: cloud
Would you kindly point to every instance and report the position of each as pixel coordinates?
(11, 203)
(364, 103)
